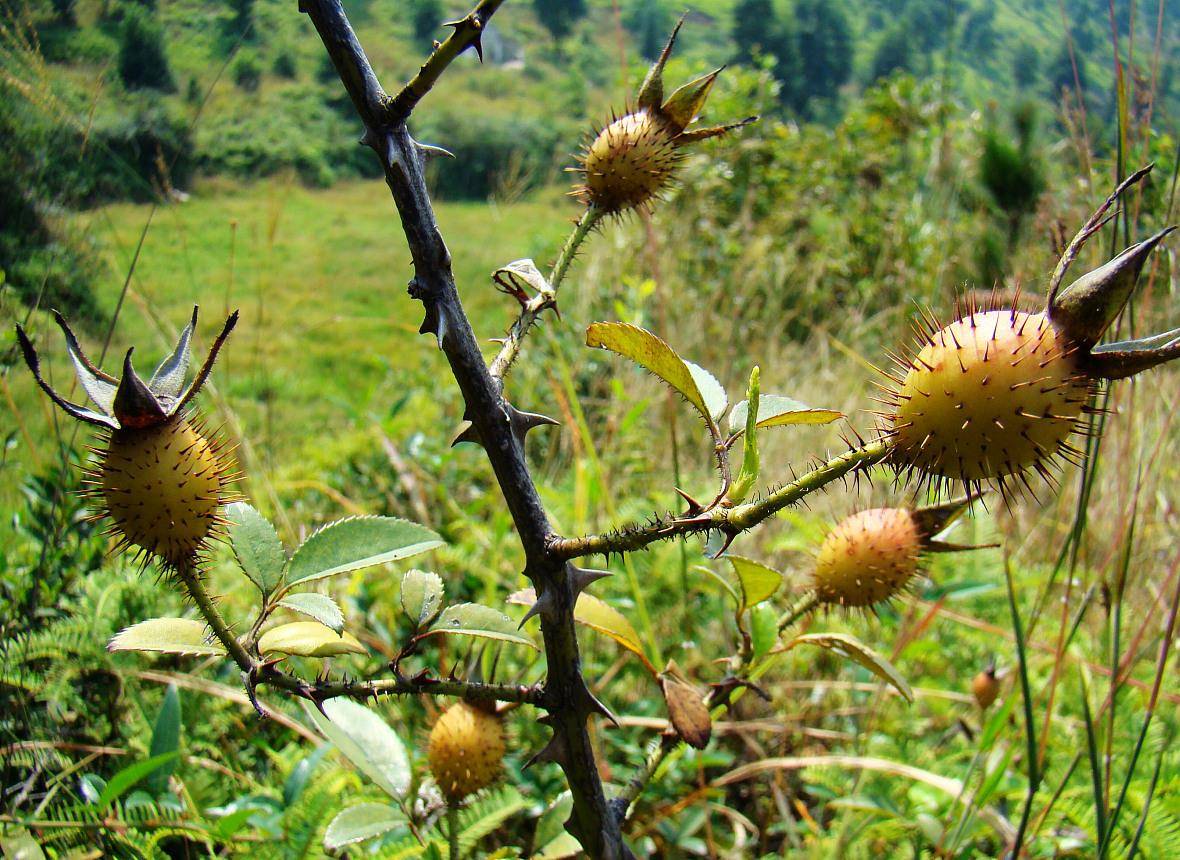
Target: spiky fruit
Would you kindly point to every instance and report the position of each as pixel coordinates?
(867, 558)
(629, 162)
(161, 487)
(466, 750)
(988, 396)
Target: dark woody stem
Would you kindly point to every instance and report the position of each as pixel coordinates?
(566, 697)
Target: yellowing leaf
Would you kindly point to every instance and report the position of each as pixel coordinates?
(308, 639)
(167, 636)
(777, 411)
(600, 616)
(854, 649)
(758, 581)
(472, 619)
(652, 354)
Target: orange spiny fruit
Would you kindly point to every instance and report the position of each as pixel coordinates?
(867, 558)
(466, 750)
(988, 396)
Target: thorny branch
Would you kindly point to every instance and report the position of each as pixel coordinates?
(496, 424)
(728, 521)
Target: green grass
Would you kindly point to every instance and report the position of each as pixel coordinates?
(328, 335)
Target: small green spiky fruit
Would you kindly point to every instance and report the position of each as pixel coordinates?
(991, 395)
(161, 487)
(867, 558)
(466, 750)
(629, 162)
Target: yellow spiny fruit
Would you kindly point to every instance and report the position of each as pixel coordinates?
(989, 396)
(867, 558)
(466, 750)
(159, 478)
(161, 486)
(629, 162)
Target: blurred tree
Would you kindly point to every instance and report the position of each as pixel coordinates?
(1026, 61)
(825, 49)
(894, 52)
(1061, 72)
(241, 20)
(425, 18)
(559, 16)
(649, 22)
(1011, 172)
(247, 70)
(66, 11)
(758, 33)
(143, 64)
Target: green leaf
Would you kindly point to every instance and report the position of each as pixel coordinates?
(165, 738)
(711, 390)
(652, 354)
(600, 616)
(777, 411)
(125, 779)
(763, 629)
(168, 636)
(747, 476)
(308, 639)
(318, 606)
(472, 619)
(356, 543)
(361, 822)
(365, 740)
(854, 649)
(256, 546)
(758, 581)
(421, 596)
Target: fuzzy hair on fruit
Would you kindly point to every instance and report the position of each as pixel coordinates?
(867, 558)
(466, 750)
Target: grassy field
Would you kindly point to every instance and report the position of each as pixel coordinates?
(327, 337)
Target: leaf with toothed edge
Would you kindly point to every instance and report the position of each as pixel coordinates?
(775, 410)
(854, 649)
(361, 822)
(308, 639)
(655, 356)
(367, 741)
(318, 606)
(711, 390)
(758, 582)
(597, 615)
(473, 619)
(256, 546)
(421, 596)
(356, 543)
(167, 636)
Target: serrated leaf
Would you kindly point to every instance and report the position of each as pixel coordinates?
(357, 543)
(777, 411)
(857, 651)
(758, 582)
(763, 629)
(600, 616)
(713, 394)
(256, 546)
(318, 606)
(167, 636)
(473, 619)
(652, 354)
(421, 596)
(165, 738)
(361, 822)
(367, 741)
(308, 639)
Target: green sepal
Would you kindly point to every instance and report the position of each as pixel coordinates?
(1128, 357)
(683, 106)
(1084, 310)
